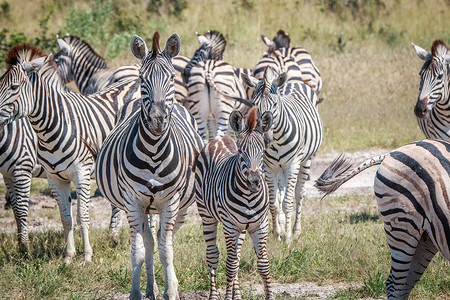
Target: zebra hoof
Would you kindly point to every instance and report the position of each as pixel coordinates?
(68, 260)
(88, 259)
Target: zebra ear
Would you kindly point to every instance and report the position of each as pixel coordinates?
(266, 40)
(422, 53)
(173, 45)
(236, 121)
(280, 80)
(201, 38)
(138, 47)
(63, 45)
(447, 58)
(266, 121)
(249, 80)
(36, 64)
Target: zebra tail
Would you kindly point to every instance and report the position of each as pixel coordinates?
(341, 170)
(93, 148)
(210, 81)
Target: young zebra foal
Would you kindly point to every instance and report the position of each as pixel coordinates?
(230, 188)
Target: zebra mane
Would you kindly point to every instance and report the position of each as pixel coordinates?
(155, 43)
(252, 119)
(281, 39)
(439, 48)
(78, 43)
(20, 53)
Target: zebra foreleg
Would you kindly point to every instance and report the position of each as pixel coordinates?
(61, 191)
(83, 188)
(300, 192)
(234, 241)
(259, 238)
(212, 251)
(22, 183)
(149, 242)
(137, 221)
(9, 195)
(168, 217)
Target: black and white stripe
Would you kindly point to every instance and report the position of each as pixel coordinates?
(280, 46)
(412, 187)
(146, 164)
(230, 188)
(212, 88)
(433, 103)
(63, 122)
(297, 134)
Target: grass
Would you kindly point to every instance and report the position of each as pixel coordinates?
(342, 242)
(369, 69)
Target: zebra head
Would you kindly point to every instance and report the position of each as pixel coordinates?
(16, 94)
(434, 78)
(157, 76)
(251, 145)
(266, 95)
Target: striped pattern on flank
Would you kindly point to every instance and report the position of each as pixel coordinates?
(412, 187)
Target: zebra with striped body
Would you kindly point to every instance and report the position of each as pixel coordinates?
(79, 62)
(297, 134)
(230, 188)
(212, 88)
(433, 103)
(412, 187)
(280, 46)
(146, 164)
(63, 121)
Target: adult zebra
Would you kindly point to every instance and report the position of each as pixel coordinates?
(297, 135)
(433, 103)
(230, 188)
(18, 147)
(213, 87)
(78, 61)
(146, 165)
(280, 46)
(412, 187)
(62, 121)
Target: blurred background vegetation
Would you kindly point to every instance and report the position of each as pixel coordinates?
(362, 47)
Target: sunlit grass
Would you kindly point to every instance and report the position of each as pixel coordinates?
(342, 242)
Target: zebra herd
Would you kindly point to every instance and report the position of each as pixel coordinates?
(158, 136)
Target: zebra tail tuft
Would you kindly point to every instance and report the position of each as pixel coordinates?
(334, 176)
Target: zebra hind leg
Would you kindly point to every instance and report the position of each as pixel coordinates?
(300, 192)
(22, 183)
(425, 251)
(83, 189)
(115, 223)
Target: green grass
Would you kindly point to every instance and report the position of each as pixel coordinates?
(342, 242)
(363, 49)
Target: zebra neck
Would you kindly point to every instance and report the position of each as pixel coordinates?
(83, 74)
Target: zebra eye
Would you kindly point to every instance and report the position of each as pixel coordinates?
(14, 87)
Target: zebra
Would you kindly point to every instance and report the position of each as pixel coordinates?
(297, 135)
(280, 46)
(230, 188)
(213, 45)
(62, 121)
(213, 88)
(146, 164)
(412, 188)
(18, 148)
(432, 108)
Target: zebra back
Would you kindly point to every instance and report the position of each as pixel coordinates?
(432, 108)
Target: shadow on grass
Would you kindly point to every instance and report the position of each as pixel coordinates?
(363, 217)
